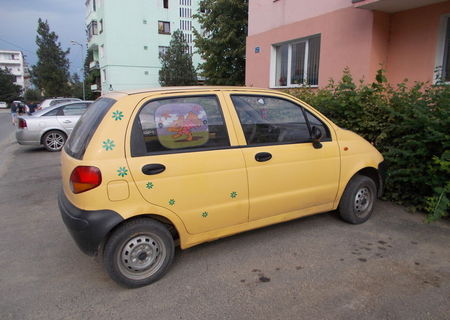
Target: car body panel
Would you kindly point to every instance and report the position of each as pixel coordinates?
(301, 180)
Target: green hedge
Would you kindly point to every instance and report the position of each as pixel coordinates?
(408, 123)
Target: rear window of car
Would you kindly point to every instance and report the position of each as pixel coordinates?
(84, 129)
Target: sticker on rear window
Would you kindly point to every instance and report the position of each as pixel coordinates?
(181, 125)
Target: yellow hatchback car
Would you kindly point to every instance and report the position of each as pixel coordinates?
(145, 170)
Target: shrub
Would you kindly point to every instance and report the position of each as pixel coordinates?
(409, 124)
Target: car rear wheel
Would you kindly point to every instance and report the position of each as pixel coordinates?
(54, 140)
(358, 200)
(138, 253)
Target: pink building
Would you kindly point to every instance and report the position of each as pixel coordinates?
(293, 42)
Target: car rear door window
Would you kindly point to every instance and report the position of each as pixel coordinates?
(271, 120)
(178, 125)
(76, 109)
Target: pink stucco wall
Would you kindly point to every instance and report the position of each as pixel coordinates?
(269, 14)
(345, 41)
(404, 43)
(414, 41)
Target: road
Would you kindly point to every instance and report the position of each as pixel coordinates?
(392, 267)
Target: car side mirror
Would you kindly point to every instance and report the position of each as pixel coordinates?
(316, 135)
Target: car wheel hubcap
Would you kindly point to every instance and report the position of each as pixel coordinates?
(141, 256)
(54, 141)
(363, 201)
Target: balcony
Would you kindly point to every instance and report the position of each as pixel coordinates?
(392, 6)
(94, 65)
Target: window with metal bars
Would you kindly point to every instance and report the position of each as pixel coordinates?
(297, 62)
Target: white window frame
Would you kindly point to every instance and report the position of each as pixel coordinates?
(440, 52)
(273, 63)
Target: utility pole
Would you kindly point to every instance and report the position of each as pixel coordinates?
(73, 42)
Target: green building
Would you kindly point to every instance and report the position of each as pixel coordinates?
(125, 39)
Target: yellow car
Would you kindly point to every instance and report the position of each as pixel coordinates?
(145, 170)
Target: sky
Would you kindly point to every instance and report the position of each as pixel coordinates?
(18, 25)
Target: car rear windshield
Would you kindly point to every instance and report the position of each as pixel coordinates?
(86, 126)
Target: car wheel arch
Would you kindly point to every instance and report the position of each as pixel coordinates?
(164, 220)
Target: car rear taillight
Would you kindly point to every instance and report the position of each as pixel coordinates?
(84, 178)
(22, 123)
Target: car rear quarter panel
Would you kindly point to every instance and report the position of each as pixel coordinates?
(106, 151)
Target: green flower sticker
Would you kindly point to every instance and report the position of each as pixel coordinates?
(122, 172)
(204, 214)
(117, 115)
(233, 194)
(171, 202)
(108, 144)
(149, 185)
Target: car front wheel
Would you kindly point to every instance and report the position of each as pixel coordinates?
(54, 140)
(138, 253)
(358, 200)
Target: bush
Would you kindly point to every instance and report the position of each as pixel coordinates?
(409, 124)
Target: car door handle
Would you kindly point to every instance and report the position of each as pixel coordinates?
(153, 168)
(67, 121)
(263, 156)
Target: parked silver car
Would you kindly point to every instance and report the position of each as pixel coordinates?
(50, 127)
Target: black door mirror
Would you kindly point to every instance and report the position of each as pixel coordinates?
(316, 135)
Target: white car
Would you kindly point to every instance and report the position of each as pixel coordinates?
(3, 105)
(51, 102)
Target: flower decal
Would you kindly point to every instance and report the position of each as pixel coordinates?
(117, 115)
(122, 172)
(171, 202)
(108, 144)
(149, 185)
(233, 194)
(204, 214)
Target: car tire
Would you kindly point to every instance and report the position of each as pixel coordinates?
(138, 253)
(358, 200)
(54, 140)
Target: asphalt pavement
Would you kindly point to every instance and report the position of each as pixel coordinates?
(392, 267)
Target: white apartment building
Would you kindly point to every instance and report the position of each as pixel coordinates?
(14, 62)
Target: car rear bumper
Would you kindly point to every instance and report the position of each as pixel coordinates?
(26, 137)
(88, 228)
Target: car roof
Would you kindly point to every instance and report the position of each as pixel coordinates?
(50, 108)
(119, 94)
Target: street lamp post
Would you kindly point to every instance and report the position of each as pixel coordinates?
(73, 42)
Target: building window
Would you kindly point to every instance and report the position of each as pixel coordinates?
(104, 75)
(100, 26)
(163, 27)
(446, 58)
(166, 4)
(162, 50)
(297, 63)
(101, 51)
(92, 29)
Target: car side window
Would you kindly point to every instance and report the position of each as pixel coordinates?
(271, 120)
(74, 109)
(178, 124)
(316, 122)
(54, 112)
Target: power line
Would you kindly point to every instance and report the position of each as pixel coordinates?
(17, 46)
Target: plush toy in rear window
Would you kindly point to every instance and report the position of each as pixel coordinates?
(181, 125)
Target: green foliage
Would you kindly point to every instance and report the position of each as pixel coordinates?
(177, 68)
(32, 95)
(9, 91)
(408, 123)
(221, 42)
(76, 86)
(51, 73)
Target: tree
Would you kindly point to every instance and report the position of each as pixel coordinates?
(177, 68)
(9, 91)
(32, 95)
(51, 73)
(76, 86)
(221, 42)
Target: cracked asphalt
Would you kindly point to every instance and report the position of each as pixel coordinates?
(392, 267)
